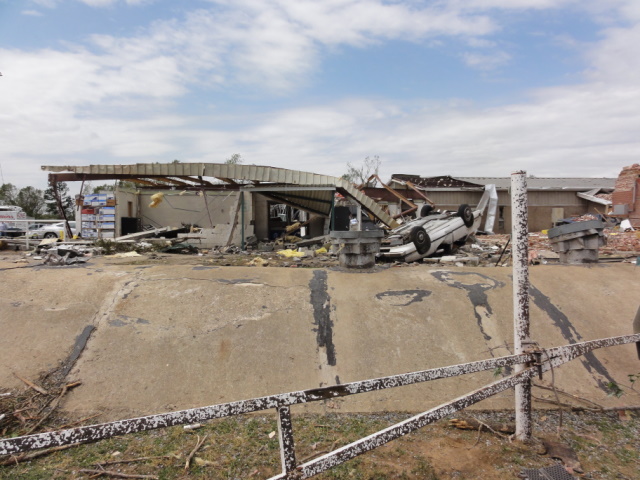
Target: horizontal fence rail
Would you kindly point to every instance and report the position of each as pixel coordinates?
(538, 361)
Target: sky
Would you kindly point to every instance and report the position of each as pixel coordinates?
(432, 87)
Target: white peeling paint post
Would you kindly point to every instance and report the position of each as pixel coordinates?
(520, 247)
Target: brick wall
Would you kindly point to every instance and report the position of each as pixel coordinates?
(627, 192)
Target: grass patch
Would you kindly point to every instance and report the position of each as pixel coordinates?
(246, 447)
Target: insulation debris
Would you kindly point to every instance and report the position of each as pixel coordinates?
(156, 199)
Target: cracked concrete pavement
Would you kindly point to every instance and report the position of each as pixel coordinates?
(157, 337)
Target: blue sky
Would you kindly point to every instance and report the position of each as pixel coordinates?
(433, 87)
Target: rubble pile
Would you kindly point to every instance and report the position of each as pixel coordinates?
(621, 242)
(585, 218)
(67, 254)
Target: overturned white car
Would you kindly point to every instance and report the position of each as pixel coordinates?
(435, 231)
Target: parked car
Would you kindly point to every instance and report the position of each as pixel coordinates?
(52, 230)
(36, 226)
(432, 232)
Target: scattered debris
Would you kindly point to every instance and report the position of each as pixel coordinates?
(15, 460)
(132, 253)
(181, 248)
(32, 385)
(108, 473)
(199, 444)
(193, 426)
(289, 253)
(563, 452)
(474, 424)
(258, 262)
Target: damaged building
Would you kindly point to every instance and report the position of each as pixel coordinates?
(231, 203)
(550, 199)
(626, 196)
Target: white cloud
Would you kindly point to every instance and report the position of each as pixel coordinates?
(92, 3)
(113, 101)
(276, 44)
(488, 61)
(32, 13)
(514, 4)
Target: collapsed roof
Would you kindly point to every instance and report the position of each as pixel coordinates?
(304, 190)
(576, 184)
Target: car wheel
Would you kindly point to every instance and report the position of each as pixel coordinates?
(426, 210)
(50, 235)
(421, 240)
(464, 212)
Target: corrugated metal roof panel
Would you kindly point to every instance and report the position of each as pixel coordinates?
(238, 172)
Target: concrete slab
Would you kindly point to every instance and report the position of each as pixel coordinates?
(177, 336)
(44, 312)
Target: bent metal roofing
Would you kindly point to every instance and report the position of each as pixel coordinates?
(263, 176)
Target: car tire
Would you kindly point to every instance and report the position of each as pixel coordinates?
(421, 240)
(426, 210)
(464, 212)
(50, 235)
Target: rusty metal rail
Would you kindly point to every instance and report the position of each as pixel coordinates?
(537, 361)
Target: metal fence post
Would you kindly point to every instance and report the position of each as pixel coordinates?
(520, 248)
(287, 446)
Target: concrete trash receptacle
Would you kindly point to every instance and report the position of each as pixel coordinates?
(357, 249)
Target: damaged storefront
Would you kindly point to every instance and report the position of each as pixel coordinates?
(211, 205)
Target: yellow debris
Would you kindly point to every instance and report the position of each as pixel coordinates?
(293, 228)
(258, 262)
(156, 198)
(290, 253)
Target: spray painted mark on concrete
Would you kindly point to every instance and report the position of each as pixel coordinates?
(321, 303)
(476, 291)
(414, 296)
(204, 268)
(571, 335)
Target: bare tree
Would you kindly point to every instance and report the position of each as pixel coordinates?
(360, 174)
(235, 159)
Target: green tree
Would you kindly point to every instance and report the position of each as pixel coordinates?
(359, 174)
(31, 200)
(8, 194)
(107, 187)
(51, 204)
(111, 187)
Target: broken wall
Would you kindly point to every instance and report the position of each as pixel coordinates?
(217, 212)
(126, 206)
(627, 194)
